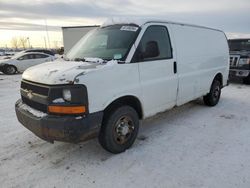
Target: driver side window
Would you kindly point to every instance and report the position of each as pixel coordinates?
(24, 57)
(154, 45)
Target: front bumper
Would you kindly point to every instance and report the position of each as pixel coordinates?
(2, 67)
(60, 128)
(239, 73)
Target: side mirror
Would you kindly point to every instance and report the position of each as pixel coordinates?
(152, 50)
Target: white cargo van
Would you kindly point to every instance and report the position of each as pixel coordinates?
(122, 72)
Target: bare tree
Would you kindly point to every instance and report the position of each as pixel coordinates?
(23, 42)
(55, 44)
(14, 43)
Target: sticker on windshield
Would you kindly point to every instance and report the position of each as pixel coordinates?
(117, 56)
(129, 28)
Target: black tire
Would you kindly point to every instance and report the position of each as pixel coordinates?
(9, 69)
(213, 97)
(119, 129)
(246, 80)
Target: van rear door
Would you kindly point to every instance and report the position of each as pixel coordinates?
(157, 69)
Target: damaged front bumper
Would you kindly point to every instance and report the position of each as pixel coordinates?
(60, 128)
(2, 67)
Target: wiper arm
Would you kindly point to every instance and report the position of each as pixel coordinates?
(96, 60)
(120, 62)
(79, 59)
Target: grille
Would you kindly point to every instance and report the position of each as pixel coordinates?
(35, 105)
(38, 89)
(234, 60)
(35, 88)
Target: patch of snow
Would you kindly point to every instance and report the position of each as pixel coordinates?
(96, 60)
(124, 20)
(139, 21)
(59, 100)
(108, 64)
(112, 62)
(33, 111)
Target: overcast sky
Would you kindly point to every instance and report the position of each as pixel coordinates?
(27, 17)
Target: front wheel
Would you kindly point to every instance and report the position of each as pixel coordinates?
(9, 69)
(213, 97)
(119, 129)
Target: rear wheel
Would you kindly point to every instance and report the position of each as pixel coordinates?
(213, 97)
(119, 129)
(9, 69)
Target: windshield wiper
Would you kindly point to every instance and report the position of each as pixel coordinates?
(97, 60)
(79, 59)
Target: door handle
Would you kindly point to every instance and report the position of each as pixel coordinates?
(175, 67)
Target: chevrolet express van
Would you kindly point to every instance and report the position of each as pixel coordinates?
(118, 74)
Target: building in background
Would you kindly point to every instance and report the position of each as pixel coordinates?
(71, 35)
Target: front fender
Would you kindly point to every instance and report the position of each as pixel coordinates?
(116, 97)
(2, 66)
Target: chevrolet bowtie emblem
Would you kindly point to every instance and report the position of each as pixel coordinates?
(29, 95)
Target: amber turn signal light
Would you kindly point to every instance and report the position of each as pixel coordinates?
(67, 109)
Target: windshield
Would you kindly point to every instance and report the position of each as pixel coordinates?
(112, 42)
(239, 45)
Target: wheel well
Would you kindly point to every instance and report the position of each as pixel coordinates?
(126, 100)
(9, 65)
(6, 65)
(219, 77)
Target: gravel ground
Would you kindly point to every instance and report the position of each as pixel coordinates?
(189, 146)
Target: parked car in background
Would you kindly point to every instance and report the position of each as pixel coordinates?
(21, 61)
(2, 52)
(240, 59)
(41, 51)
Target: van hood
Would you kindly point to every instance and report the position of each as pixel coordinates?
(60, 71)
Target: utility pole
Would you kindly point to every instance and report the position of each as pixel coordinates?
(28, 41)
(45, 42)
(46, 26)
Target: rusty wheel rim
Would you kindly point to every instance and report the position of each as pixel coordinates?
(216, 92)
(123, 129)
(11, 70)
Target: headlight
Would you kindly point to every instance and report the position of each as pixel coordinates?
(67, 95)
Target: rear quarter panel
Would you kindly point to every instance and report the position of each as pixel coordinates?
(201, 54)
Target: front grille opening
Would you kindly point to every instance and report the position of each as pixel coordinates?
(41, 90)
(38, 89)
(35, 105)
(234, 61)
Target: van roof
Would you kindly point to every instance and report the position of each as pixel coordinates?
(142, 21)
